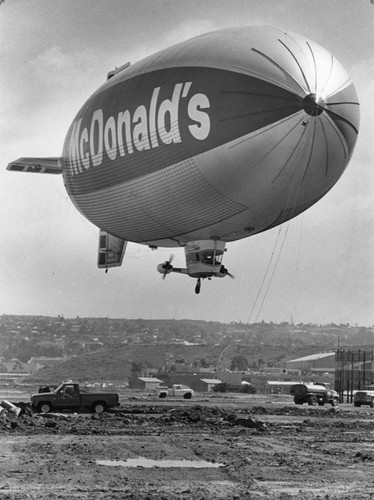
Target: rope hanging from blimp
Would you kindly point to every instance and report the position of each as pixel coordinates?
(266, 274)
(281, 237)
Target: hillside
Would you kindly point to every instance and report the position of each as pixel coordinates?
(106, 349)
(113, 364)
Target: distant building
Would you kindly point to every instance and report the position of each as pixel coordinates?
(145, 383)
(308, 363)
(188, 379)
(205, 384)
(232, 378)
(92, 345)
(278, 387)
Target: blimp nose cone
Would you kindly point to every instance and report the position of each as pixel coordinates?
(311, 106)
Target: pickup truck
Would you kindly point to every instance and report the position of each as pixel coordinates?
(69, 397)
(177, 390)
(364, 398)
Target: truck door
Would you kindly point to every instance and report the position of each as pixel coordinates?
(68, 397)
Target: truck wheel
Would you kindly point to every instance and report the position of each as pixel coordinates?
(162, 395)
(357, 405)
(44, 407)
(335, 402)
(372, 403)
(188, 395)
(98, 407)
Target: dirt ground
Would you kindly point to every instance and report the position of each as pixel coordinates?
(256, 449)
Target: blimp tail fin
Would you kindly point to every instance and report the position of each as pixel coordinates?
(37, 165)
(111, 250)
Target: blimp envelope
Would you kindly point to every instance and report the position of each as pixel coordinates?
(222, 136)
(216, 138)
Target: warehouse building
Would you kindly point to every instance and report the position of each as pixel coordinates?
(145, 383)
(205, 384)
(314, 362)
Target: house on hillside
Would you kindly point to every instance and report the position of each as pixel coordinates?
(145, 383)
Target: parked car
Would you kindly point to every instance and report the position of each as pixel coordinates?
(364, 398)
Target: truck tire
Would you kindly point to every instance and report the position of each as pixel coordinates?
(44, 407)
(162, 395)
(335, 402)
(188, 395)
(312, 400)
(98, 407)
(372, 403)
(357, 405)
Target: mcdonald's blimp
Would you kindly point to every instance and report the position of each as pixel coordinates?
(211, 140)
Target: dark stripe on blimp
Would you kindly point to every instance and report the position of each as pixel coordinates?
(239, 104)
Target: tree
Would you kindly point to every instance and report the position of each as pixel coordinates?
(136, 368)
(239, 363)
(204, 363)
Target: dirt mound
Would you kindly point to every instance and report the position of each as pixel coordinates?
(125, 421)
(198, 414)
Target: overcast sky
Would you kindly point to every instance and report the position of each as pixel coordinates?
(54, 54)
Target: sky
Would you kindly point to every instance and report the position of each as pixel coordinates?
(54, 54)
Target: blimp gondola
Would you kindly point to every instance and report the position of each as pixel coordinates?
(214, 139)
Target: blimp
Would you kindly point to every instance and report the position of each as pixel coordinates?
(214, 139)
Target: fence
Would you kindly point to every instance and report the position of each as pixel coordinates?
(354, 371)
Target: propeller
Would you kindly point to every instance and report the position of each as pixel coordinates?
(167, 266)
(225, 271)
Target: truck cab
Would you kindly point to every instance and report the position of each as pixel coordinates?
(68, 395)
